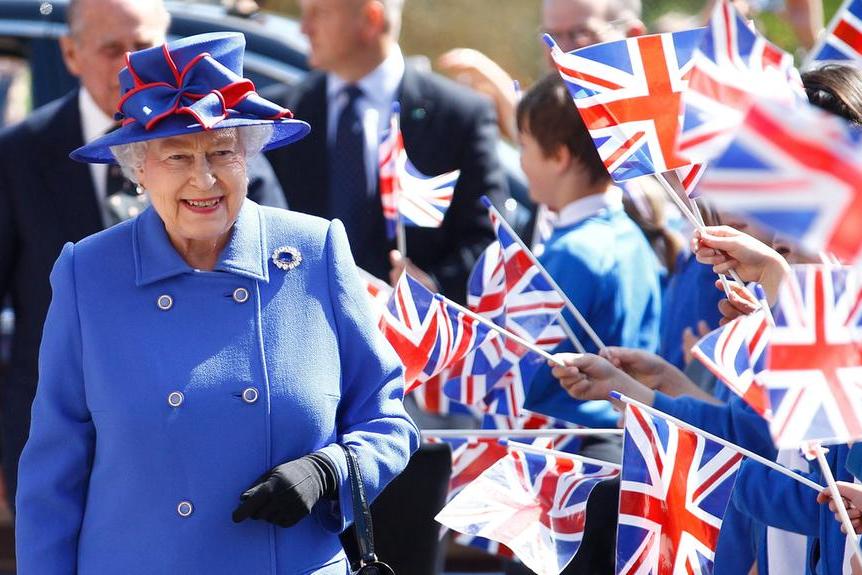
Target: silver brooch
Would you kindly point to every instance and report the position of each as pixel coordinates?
(286, 258)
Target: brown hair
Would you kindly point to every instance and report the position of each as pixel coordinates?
(548, 114)
(836, 88)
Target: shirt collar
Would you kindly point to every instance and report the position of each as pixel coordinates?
(244, 255)
(94, 122)
(581, 209)
(380, 85)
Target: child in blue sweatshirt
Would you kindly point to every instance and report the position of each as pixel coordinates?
(596, 253)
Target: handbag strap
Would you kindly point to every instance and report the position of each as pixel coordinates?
(361, 513)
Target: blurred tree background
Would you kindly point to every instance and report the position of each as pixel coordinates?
(508, 30)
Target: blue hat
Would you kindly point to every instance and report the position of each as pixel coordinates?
(189, 86)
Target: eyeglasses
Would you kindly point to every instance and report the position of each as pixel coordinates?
(584, 35)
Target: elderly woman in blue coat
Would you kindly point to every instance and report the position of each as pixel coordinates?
(201, 363)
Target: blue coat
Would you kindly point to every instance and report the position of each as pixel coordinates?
(153, 414)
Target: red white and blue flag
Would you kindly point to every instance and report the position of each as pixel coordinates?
(732, 66)
(813, 368)
(533, 504)
(378, 291)
(629, 94)
(507, 287)
(405, 192)
(426, 334)
(735, 354)
(842, 41)
(797, 171)
(674, 490)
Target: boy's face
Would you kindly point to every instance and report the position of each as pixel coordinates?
(542, 171)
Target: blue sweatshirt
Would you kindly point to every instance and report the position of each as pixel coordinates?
(779, 501)
(604, 264)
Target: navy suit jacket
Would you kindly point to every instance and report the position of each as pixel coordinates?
(46, 200)
(445, 127)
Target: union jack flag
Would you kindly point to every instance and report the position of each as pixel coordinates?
(430, 398)
(674, 489)
(629, 94)
(470, 457)
(813, 365)
(405, 192)
(843, 39)
(533, 504)
(734, 353)
(425, 333)
(797, 171)
(508, 287)
(732, 65)
(378, 290)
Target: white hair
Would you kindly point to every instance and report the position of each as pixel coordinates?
(252, 140)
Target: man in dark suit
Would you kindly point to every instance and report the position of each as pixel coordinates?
(333, 173)
(46, 199)
(445, 127)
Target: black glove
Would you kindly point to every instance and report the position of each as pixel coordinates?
(286, 493)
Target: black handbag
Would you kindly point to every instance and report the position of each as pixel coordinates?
(368, 563)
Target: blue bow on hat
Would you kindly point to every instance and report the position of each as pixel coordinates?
(188, 86)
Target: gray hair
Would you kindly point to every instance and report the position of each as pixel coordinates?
(252, 140)
(75, 21)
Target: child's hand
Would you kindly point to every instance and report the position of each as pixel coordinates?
(739, 302)
(725, 249)
(851, 499)
(587, 376)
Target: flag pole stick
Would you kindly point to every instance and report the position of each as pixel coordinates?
(567, 329)
(839, 501)
(498, 433)
(502, 331)
(568, 303)
(562, 454)
(693, 215)
(401, 237)
(750, 454)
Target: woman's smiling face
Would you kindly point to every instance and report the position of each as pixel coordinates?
(197, 184)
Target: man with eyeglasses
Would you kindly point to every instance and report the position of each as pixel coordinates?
(572, 23)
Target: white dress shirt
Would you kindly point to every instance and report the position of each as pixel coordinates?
(95, 123)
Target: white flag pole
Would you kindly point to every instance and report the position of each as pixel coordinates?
(839, 501)
(401, 237)
(503, 433)
(502, 331)
(568, 303)
(694, 217)
(750, 454)
(561, 454)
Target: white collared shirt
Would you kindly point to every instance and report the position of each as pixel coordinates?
(94, 123)
(583, 208)
(379, 88)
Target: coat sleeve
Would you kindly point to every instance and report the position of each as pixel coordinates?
(54, 471)
(776, 500)
(371, 416)
(734, 421)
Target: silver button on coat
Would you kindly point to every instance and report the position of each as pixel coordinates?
(249, 395)
(165, 302)
(176, 398)
(185, 508)
(240, 295)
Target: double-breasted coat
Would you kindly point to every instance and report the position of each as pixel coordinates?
(165, 391)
